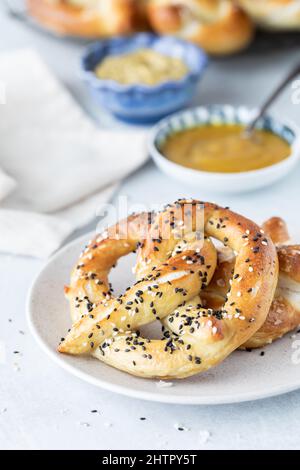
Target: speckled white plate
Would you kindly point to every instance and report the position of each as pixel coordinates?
(243, 376)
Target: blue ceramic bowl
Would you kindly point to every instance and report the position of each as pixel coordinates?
(142, 103)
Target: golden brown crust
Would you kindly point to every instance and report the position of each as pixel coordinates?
(171, 271)
(284, 314)
(274, 14)
(218, 26)
(64, 17)
(283, 317)
(289, 259)
(214, 295)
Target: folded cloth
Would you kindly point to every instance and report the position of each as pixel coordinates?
(61, 167)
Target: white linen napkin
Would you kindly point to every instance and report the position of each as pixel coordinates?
(57, 168)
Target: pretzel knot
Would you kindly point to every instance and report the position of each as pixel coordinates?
(176, 260)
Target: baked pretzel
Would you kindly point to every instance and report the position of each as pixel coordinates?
(284, 314)
(171, 272)
(274, 14)
(89, 18)
(218, 26)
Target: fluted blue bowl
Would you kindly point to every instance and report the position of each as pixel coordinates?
(143, 103)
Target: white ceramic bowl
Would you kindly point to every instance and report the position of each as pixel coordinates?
(241, 377)
(223, 182)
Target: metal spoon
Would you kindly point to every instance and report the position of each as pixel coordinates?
(250, 127)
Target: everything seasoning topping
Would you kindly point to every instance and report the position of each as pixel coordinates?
(166, 284)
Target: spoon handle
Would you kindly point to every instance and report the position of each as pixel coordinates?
(293, 73)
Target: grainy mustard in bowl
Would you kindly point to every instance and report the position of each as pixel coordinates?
(143, 93)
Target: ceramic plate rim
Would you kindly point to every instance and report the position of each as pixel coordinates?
(163, 397)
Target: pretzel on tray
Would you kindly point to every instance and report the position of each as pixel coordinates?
(218, 26)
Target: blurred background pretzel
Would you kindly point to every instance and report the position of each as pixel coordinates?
(171, 272)
(220, 27)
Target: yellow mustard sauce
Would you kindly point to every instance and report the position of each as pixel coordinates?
(224, 149)
(145, 66)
